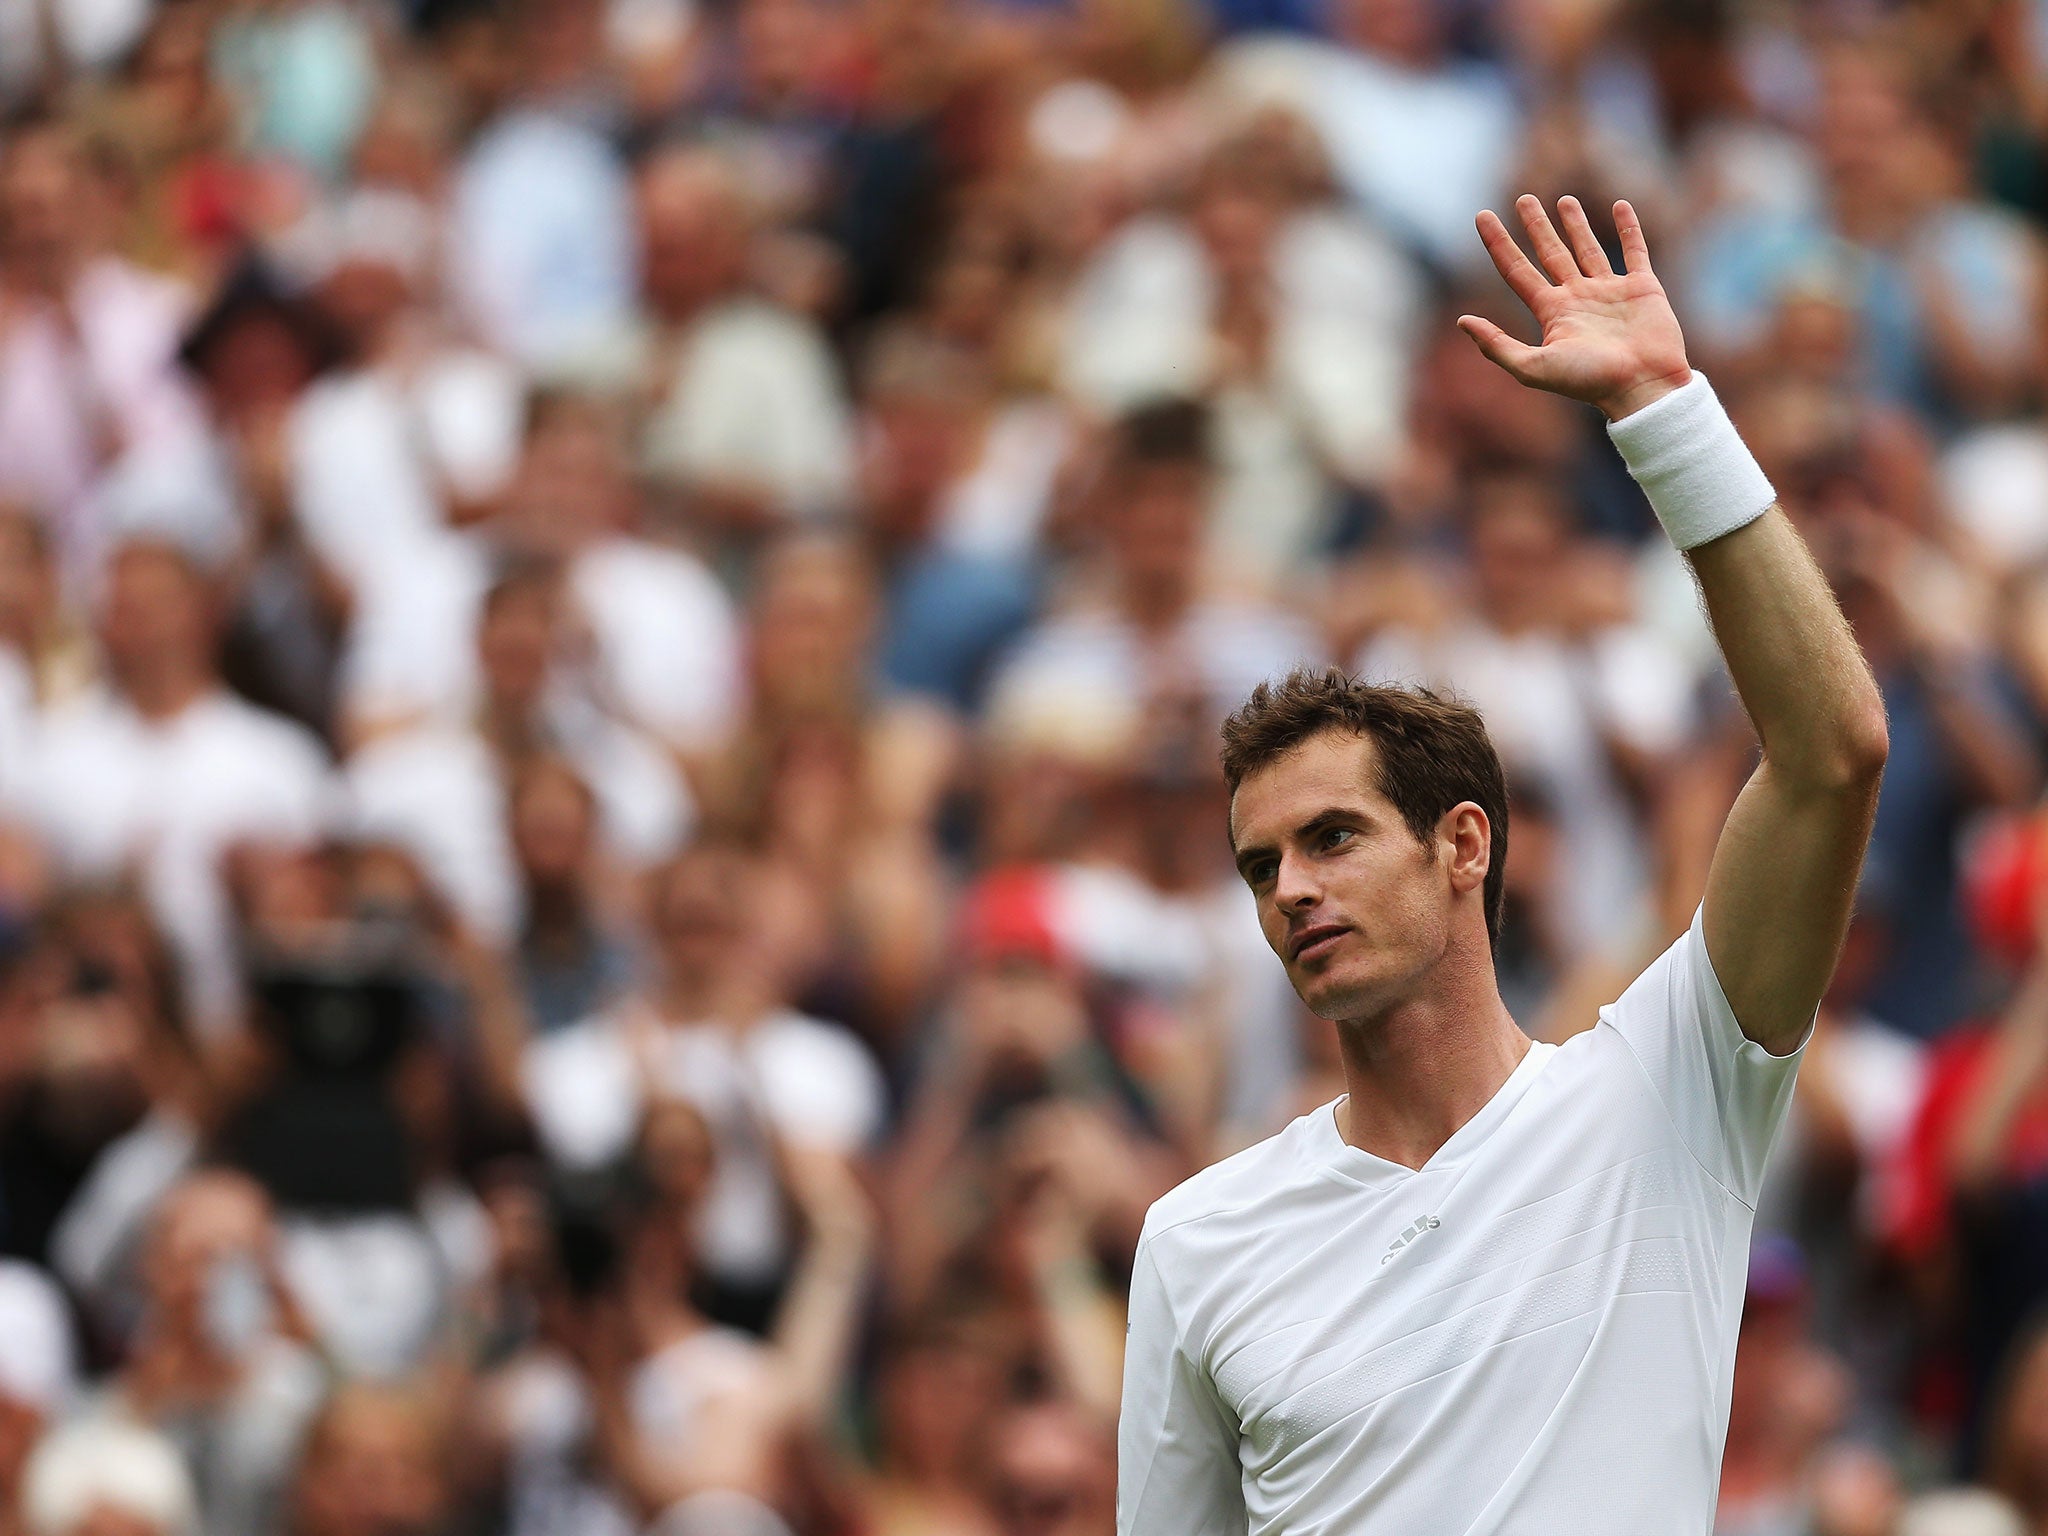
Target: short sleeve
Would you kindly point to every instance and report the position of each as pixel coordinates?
(821, 1085)
(1726, 1095)
(1177, 1463)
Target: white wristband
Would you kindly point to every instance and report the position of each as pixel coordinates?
(1702, 481)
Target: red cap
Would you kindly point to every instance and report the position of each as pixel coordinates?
(1008, 914)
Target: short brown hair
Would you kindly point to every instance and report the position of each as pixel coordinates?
(1433, 751)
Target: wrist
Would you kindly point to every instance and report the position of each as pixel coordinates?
(1636, 396)
(1699, 477)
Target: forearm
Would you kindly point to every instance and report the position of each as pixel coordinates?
(1794, 661)
(2017, 1059)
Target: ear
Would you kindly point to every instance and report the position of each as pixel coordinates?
(1467, 840)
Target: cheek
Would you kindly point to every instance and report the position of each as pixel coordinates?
(1272, 925)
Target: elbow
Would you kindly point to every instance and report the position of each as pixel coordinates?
(1848, 761)
(1866, 744)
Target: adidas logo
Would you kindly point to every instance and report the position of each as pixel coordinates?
(1416, 1228)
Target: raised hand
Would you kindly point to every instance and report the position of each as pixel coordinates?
(1609, 338)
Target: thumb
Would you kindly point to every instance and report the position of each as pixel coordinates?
(1517, 357)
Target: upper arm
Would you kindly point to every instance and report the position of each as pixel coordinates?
(1779, 894)
(1177, 1465)
(1783, 876)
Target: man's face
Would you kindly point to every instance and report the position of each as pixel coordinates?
(1158, 523)
(516, 642)
(703, 913)
(693, 238)
(155, 607)
(41, 195)
(1356, 907)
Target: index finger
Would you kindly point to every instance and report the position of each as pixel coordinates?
(1515, 269)
(1635, 251)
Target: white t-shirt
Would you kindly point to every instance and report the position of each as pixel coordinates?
(1533, 1333)
(756, 400)
(107, 787)
(814, 1082)
(667, 652)
(440, 792)
(373, 454)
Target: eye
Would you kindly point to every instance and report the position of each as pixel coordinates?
(1261, 872)
(1336, 837)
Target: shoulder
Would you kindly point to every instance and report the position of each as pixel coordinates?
(820, 1078)
(256, 737)
(803, 1041)
(639, 570)
(583, 1091)
(1239, 1183)
(753, 331)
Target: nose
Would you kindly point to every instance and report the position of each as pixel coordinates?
(1295, 888)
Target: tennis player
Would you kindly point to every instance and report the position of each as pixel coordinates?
(1494, 1288)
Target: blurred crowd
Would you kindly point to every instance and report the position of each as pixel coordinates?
(613, 890)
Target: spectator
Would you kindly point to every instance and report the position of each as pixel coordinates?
(713, 1028)
(222, 1364)
(572, 959)
(750, 422)
(376, 1461)
(162, 768)
(87, 343)
(1147, 630)
(444, 790)
(2014, 1462)
(1789, 1398)
(641, 605)
(1294, 319)
(1415, 134)
(1053, 1474)
(541, 249)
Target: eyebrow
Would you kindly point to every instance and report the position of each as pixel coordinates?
(1327, 817)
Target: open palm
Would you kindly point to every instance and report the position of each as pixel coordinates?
(1608, 338)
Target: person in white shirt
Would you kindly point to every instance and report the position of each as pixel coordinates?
(1295, 320)
(89, 383)
(713, 1028)
(1495, 1286)
(750, 417)
(443, 789)
(165, 771)
(661, 640)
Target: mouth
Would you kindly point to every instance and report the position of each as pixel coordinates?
(1311, 942)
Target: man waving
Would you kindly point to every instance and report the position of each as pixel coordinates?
(1495, 1287)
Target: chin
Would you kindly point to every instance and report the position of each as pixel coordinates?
(1336, 995)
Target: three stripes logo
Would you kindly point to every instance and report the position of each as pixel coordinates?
(1416, 1228)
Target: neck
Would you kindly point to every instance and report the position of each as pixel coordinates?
(1419, 1071)
(689, 996)
(159, 693)
(1157, 605)
(555, 910)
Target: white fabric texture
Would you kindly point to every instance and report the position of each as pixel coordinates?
(756, 401)
(1701, 479)
(37, 1366)
(108, 788)
(1324, 1340)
